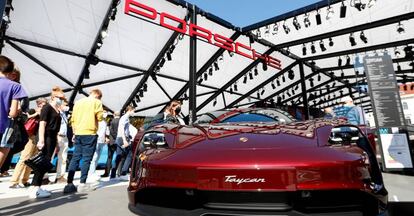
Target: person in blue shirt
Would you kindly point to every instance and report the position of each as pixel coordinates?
(355, 115)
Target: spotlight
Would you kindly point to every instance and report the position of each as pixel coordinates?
(318, 18)
(286, 28)
(86, 74)
(273, 85)
(99, 44)
(92, 59)
(258, 33)
(215, 102)
(263, 91)
(245, 79)
(216, 67)
(289, 95)
(251, 39)
(267, 31)
(306, 20)
(313, 49)
(342, 13)
(371, 3)
(319, 77)
(397, 52)
(235, 87)
(331, 43)
(275, 28)
(287, 51)
(231, 54)
(322, 46)
(141, 93)
(210, 71)
(256, 72)
(162, 62)
(134, 104)
(297, 87)
(363, 37)
(304, 50)
(409, 52)
(342, 76)
(311, 82)
(359, 5)
(283, 78)
(250, 75)
(180, 36)
(113, 14)
(145, 87)
(279, 100)
(339, 62)
(400, 28)
(169, 56)
(348, 60)
(221, 57)
(329, 13)
(296, 24)
(231, 90)
(341, 92)
(199, 81)
(205, 76)
(278, 82)
(291, 74)
(258, 94)
(264, 65)
(104, 33)
(352, 40)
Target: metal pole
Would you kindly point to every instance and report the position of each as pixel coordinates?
(193, 70)
(304, 93)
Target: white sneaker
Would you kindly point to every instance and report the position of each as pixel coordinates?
(124, 178)
(84, 188)
(93, 178)
(37, 192)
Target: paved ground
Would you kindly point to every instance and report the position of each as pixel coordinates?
(111, 199)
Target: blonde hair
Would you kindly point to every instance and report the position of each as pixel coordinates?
(56, 91)
(97, 92)
(172, 104)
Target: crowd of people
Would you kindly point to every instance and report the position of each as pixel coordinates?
(50, 131)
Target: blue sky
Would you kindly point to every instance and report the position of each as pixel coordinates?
(245, 12)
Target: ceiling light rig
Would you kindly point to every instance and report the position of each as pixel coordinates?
(267, 31)
(286, 27)
(318, 17)
(358, 5)
(331, 43)
(329, 13)
(342, 13)
(352, 39)
(339, 61)
(306, 21)
(275, 28)
(322, 46)
(296, 23)
(400, 28)
(304, 50)
(313, 49)
(363, 37)
(348, 60)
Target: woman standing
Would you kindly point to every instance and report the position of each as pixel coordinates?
(49, 126)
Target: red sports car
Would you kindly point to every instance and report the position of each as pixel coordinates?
(255, 162)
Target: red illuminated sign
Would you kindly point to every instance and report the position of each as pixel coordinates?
(135, 8)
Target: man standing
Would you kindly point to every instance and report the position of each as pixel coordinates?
(113, 130)
(86, 114)
(123, 141)
(355, 115)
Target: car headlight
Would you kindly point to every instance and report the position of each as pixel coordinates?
(154, 140)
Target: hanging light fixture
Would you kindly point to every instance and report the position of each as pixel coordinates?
(210, 71)
(311, 82)
(245, 79)
(145, 87)
(215, 102)
(319, 77)
(306, 20)
(258, 33)
(359, 5)
(216, 66)
(322, 46)
(273, 85)
(256, 72)
(339, 61)
(331, 43)
(205, 76)
(400, 28)
(342, 13)
(283, 78)
(304, 49)
(141, 93)
(313, 49)
(329, 13)
(250, 75)
(286, 27)
(318, 18)
(267, 31)
(263, 91)
(291, 74)
(363, 37)
(296, 23)
(348, 60)
(235, 87)
(275, 28)
(278, 82)
(352, 39)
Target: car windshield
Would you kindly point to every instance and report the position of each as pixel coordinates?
(260, 115)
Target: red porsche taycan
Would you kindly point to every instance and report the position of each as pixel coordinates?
(255, 162)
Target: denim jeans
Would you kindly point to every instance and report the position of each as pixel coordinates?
(85, 146)
(122, 154)
(95, 159)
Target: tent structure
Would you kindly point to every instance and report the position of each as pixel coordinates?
(81, 45)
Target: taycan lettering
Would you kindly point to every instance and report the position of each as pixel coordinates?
(234, 179)
(134, 8)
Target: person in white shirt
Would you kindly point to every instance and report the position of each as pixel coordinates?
(103, 139)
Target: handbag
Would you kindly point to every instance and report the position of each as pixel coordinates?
(39, 163)
(31, 126)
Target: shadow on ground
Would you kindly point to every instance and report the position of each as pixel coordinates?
(32, 206)
(401, 209)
